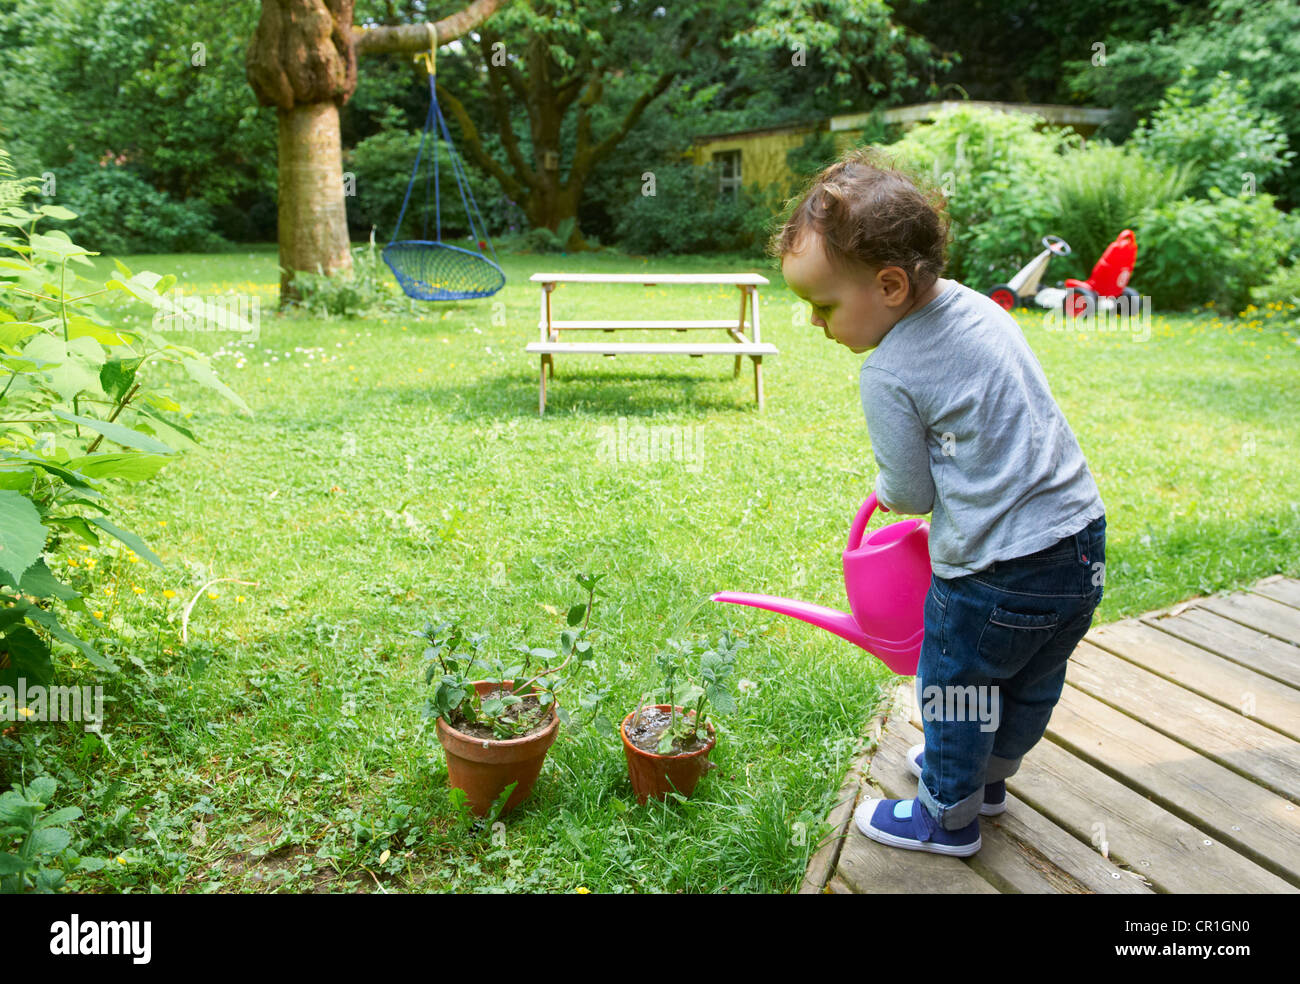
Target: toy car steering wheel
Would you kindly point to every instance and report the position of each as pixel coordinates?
(1057, 245)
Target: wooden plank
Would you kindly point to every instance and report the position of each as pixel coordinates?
(1196, 669)
(650, 279)
(1233, 642)
(1262, 614)
(1141, 836)
(1283, 589)
(1235, 742)
(1254, 822)
(652, 348)
(723, 324)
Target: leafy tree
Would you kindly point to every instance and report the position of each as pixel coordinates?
(1259, 42)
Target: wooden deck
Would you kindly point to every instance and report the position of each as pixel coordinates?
(1171, 764)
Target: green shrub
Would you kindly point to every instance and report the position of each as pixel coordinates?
(1100, 191)
(1200, 250)
(119, 212)
(1217, 134)
(79, 419)
(685, 214)
(993, 169)
(368, 291)
(1281, 292)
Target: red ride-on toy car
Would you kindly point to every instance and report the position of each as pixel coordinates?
(1108, 282)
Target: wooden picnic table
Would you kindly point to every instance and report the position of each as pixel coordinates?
(741, 343)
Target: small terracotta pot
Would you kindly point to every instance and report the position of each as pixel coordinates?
(655, 775)
(484, 767)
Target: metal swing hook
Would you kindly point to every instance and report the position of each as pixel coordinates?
(430, 57)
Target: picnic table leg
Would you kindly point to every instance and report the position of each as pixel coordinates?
(541, 400)
(740, 326)
(758, 380)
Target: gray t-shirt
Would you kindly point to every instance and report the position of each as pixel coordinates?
(962, 422)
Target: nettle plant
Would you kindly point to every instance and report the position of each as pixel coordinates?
(456, 660)
(76, 419)
(709, 687)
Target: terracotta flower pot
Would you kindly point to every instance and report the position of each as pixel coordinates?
(656, 775)
(484, 767)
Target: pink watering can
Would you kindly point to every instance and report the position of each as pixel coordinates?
(886, 577)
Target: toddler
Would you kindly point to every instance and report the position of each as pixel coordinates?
(964, 426)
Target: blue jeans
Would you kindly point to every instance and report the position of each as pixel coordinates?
(993, 665)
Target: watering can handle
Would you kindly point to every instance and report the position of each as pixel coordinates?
(860, 521)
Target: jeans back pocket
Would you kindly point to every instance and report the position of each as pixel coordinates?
(1009, 639)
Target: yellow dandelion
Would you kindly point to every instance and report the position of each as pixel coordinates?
(99, 613)
(213, 595)
(25, 712)
(583, 890)
(239, 598)
(90, 562)
(72, 561)
(133, 559)
(162, 522)
(169, 593)
(137, 589)
(121, 860)
(82, 546)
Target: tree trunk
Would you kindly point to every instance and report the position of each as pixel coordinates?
(302, 59)
(313, 225)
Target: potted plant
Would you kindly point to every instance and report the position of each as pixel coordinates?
(667, 745)
(497, 719)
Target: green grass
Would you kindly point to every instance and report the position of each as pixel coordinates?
(403, 471)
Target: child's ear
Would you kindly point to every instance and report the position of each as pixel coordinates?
(895, 284)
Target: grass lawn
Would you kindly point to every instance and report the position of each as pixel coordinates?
(395, 469)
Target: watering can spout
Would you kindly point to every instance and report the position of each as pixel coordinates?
(899, 656)
(841, 623)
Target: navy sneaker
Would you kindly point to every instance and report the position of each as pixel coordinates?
(907, 824)
(995, 793)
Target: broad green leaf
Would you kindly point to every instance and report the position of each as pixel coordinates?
(11, 864)
(116, 432)
(59, 816)
(58, 212)
(58, 246)
(202, 374)
(50, 622)
(16, 478)
(82, 327)
(39, 582)
(77, 524)
(22, 537)
(125, 465)
(117, 375)
(49, 840)
(130, 539)
(13, 332)
(28, 656)
(168, 431)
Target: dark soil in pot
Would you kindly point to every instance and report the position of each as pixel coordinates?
(530, 706)
(644, 732)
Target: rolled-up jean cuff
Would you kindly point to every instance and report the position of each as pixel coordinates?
(957, 815)
(1000, 768)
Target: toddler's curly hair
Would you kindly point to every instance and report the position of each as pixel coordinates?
(869, 213)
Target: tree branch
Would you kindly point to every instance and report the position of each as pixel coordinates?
(413, 38)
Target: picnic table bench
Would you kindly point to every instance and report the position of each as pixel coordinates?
(740, 345)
